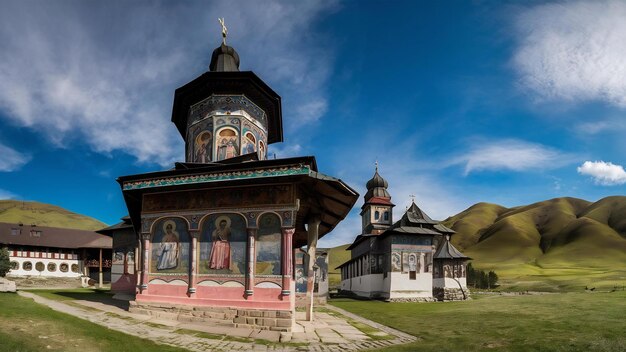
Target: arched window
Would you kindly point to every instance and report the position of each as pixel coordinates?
(376, 215)
(386, 216)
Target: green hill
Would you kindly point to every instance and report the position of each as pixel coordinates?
(336, 256)
(562, 243)
(13, 211)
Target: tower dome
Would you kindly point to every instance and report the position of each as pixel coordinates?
(377, 187)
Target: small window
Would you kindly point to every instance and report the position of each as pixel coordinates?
(27, 266)
(376, 215)
(35, 233)
(52, 267)
(74, 268)
(63, 267)
(386, 216)
(40, 266)
(412, 275)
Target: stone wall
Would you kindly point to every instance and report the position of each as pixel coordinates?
(276, 320)
(450, 294)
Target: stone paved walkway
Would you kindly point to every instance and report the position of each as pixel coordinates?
(330, 331)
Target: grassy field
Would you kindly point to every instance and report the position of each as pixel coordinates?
(549, 322)
(336, 257)
(13, 211)
(28, 326)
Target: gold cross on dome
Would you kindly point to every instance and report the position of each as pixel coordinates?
(224, 30)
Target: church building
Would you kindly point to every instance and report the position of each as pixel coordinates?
(218, 232)
(411, 259)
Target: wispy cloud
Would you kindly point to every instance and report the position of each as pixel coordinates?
(574, 51)
(603, 173)
(284, 150)
(11, 159)
(511, 155)
(105, 74)
(4, 194)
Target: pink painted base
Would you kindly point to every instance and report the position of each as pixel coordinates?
(263, 298)
(125, 284)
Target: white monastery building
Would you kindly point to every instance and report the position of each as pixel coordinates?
(409, 260)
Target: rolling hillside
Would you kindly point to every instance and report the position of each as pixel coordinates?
(555, 244)
(42, 214)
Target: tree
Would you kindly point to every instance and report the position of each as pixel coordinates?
(492, 279)
(5, 263)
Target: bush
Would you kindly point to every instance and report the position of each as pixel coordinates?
(5, 263)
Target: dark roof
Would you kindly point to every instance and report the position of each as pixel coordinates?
(360, 238)
(124, 224)
(229, 83)
(52, 237)
(415, 215)
(447, 251)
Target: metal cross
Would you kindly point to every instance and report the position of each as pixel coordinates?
(224, 30)
(412, 196)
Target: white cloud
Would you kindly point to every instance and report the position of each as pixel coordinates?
(11, 159)
(284, 150)
(105, 74)
(510, 154)
(603, 173)
(574, 51)
(4, 194)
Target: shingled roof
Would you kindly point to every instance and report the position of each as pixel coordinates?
(447, 251)
(55, 237)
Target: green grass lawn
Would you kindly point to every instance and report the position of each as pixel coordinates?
(551, 322)
(28, 326)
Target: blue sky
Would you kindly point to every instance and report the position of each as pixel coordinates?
(460, 102)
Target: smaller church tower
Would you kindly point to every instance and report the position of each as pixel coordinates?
(376, 212)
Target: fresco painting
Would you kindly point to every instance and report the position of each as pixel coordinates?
(248, 144)
(203, 147)
(223, 245)
(170, 247)
(227, 144)
(268, 245)
(396, 261)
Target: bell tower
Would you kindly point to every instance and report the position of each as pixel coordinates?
(226, 113)
(376, 213)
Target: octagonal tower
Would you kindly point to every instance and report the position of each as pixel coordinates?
(226, 113)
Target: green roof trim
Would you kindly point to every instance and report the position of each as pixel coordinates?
(216, 177)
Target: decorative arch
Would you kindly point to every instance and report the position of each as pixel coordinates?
(268, 244)
(170, 246)
(227, 143)
(248, 143)
(223, 239)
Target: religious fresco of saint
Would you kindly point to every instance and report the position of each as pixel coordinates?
(170, 247)
(227, 144)
(396, 261)
(203, 147)
(268, 245)
(223, 245)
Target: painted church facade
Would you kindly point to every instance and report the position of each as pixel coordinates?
(408, 260)
(217, 233)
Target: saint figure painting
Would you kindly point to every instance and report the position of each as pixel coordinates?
(168, 248)
(220, 252)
